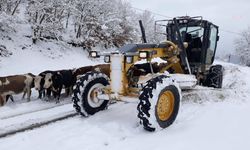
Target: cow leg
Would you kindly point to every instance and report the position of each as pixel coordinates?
(2, 100)
(54, 94)
(70, 90)
(9, 97)
(24, 93)
(58, 94)
(28, 94)
(48, 93)
(44, 93)
(67, 90)
(40, 94)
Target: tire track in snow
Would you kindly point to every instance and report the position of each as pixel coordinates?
(37, 125)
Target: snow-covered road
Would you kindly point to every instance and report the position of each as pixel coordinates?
(211, 125)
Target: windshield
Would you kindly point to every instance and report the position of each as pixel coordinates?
(191, 33)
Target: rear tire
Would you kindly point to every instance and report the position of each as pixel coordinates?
(85, 93)
(159, 103)
(215, 77)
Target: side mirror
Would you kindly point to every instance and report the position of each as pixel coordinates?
(129, 59)
(107, 59)
(218, 37)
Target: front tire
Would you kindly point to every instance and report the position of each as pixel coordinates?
(85, 93)
(159, 103)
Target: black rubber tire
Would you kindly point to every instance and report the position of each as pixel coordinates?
(148, 101)
(215, 77)
(81, 90)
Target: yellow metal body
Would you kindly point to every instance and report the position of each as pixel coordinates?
(169, 53)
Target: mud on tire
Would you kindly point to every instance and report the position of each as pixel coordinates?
(82, 90)
(159, 103)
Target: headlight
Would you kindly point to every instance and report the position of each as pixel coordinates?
(107, 59)
(129, 59)
(93, 54)
(143, 54)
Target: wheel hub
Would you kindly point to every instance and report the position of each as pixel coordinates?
(95, 91)
(165, 105)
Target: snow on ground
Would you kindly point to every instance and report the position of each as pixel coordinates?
(208, 119)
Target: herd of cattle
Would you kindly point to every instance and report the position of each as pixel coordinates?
(46, 83)
(52, 82)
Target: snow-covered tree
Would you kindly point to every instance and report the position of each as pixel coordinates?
(153, 33)
(127, 28)
(243, 47)
(103, 22)
(9, 6)
(88, 23)
(148, 22)
(46, 18)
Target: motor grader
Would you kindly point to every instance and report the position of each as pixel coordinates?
(187, 56)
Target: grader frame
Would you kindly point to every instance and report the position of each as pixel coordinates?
(167, 51)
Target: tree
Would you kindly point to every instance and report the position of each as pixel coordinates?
(243, 47)
(46, 17)
(86, 23)
(148, 22)
(9, 6)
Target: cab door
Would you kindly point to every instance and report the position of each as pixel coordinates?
(212, 44)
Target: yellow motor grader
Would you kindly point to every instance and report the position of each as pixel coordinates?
(186, 58)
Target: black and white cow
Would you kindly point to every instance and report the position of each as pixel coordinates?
(39, 81)
(58, 80)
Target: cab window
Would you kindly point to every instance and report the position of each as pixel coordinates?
(212, 44)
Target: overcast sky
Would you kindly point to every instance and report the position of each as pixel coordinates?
(230, 15)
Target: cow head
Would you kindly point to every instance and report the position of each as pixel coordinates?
(39, 82)
(48, 80)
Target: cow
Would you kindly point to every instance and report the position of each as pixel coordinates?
(15, 84)
(39, 83)
(59, 79)
(103, 68)
(82, 70)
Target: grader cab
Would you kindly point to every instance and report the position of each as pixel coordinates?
(134, 73)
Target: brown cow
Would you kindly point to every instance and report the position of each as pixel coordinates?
(104, 68)
(82, 70)
(15, 84)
